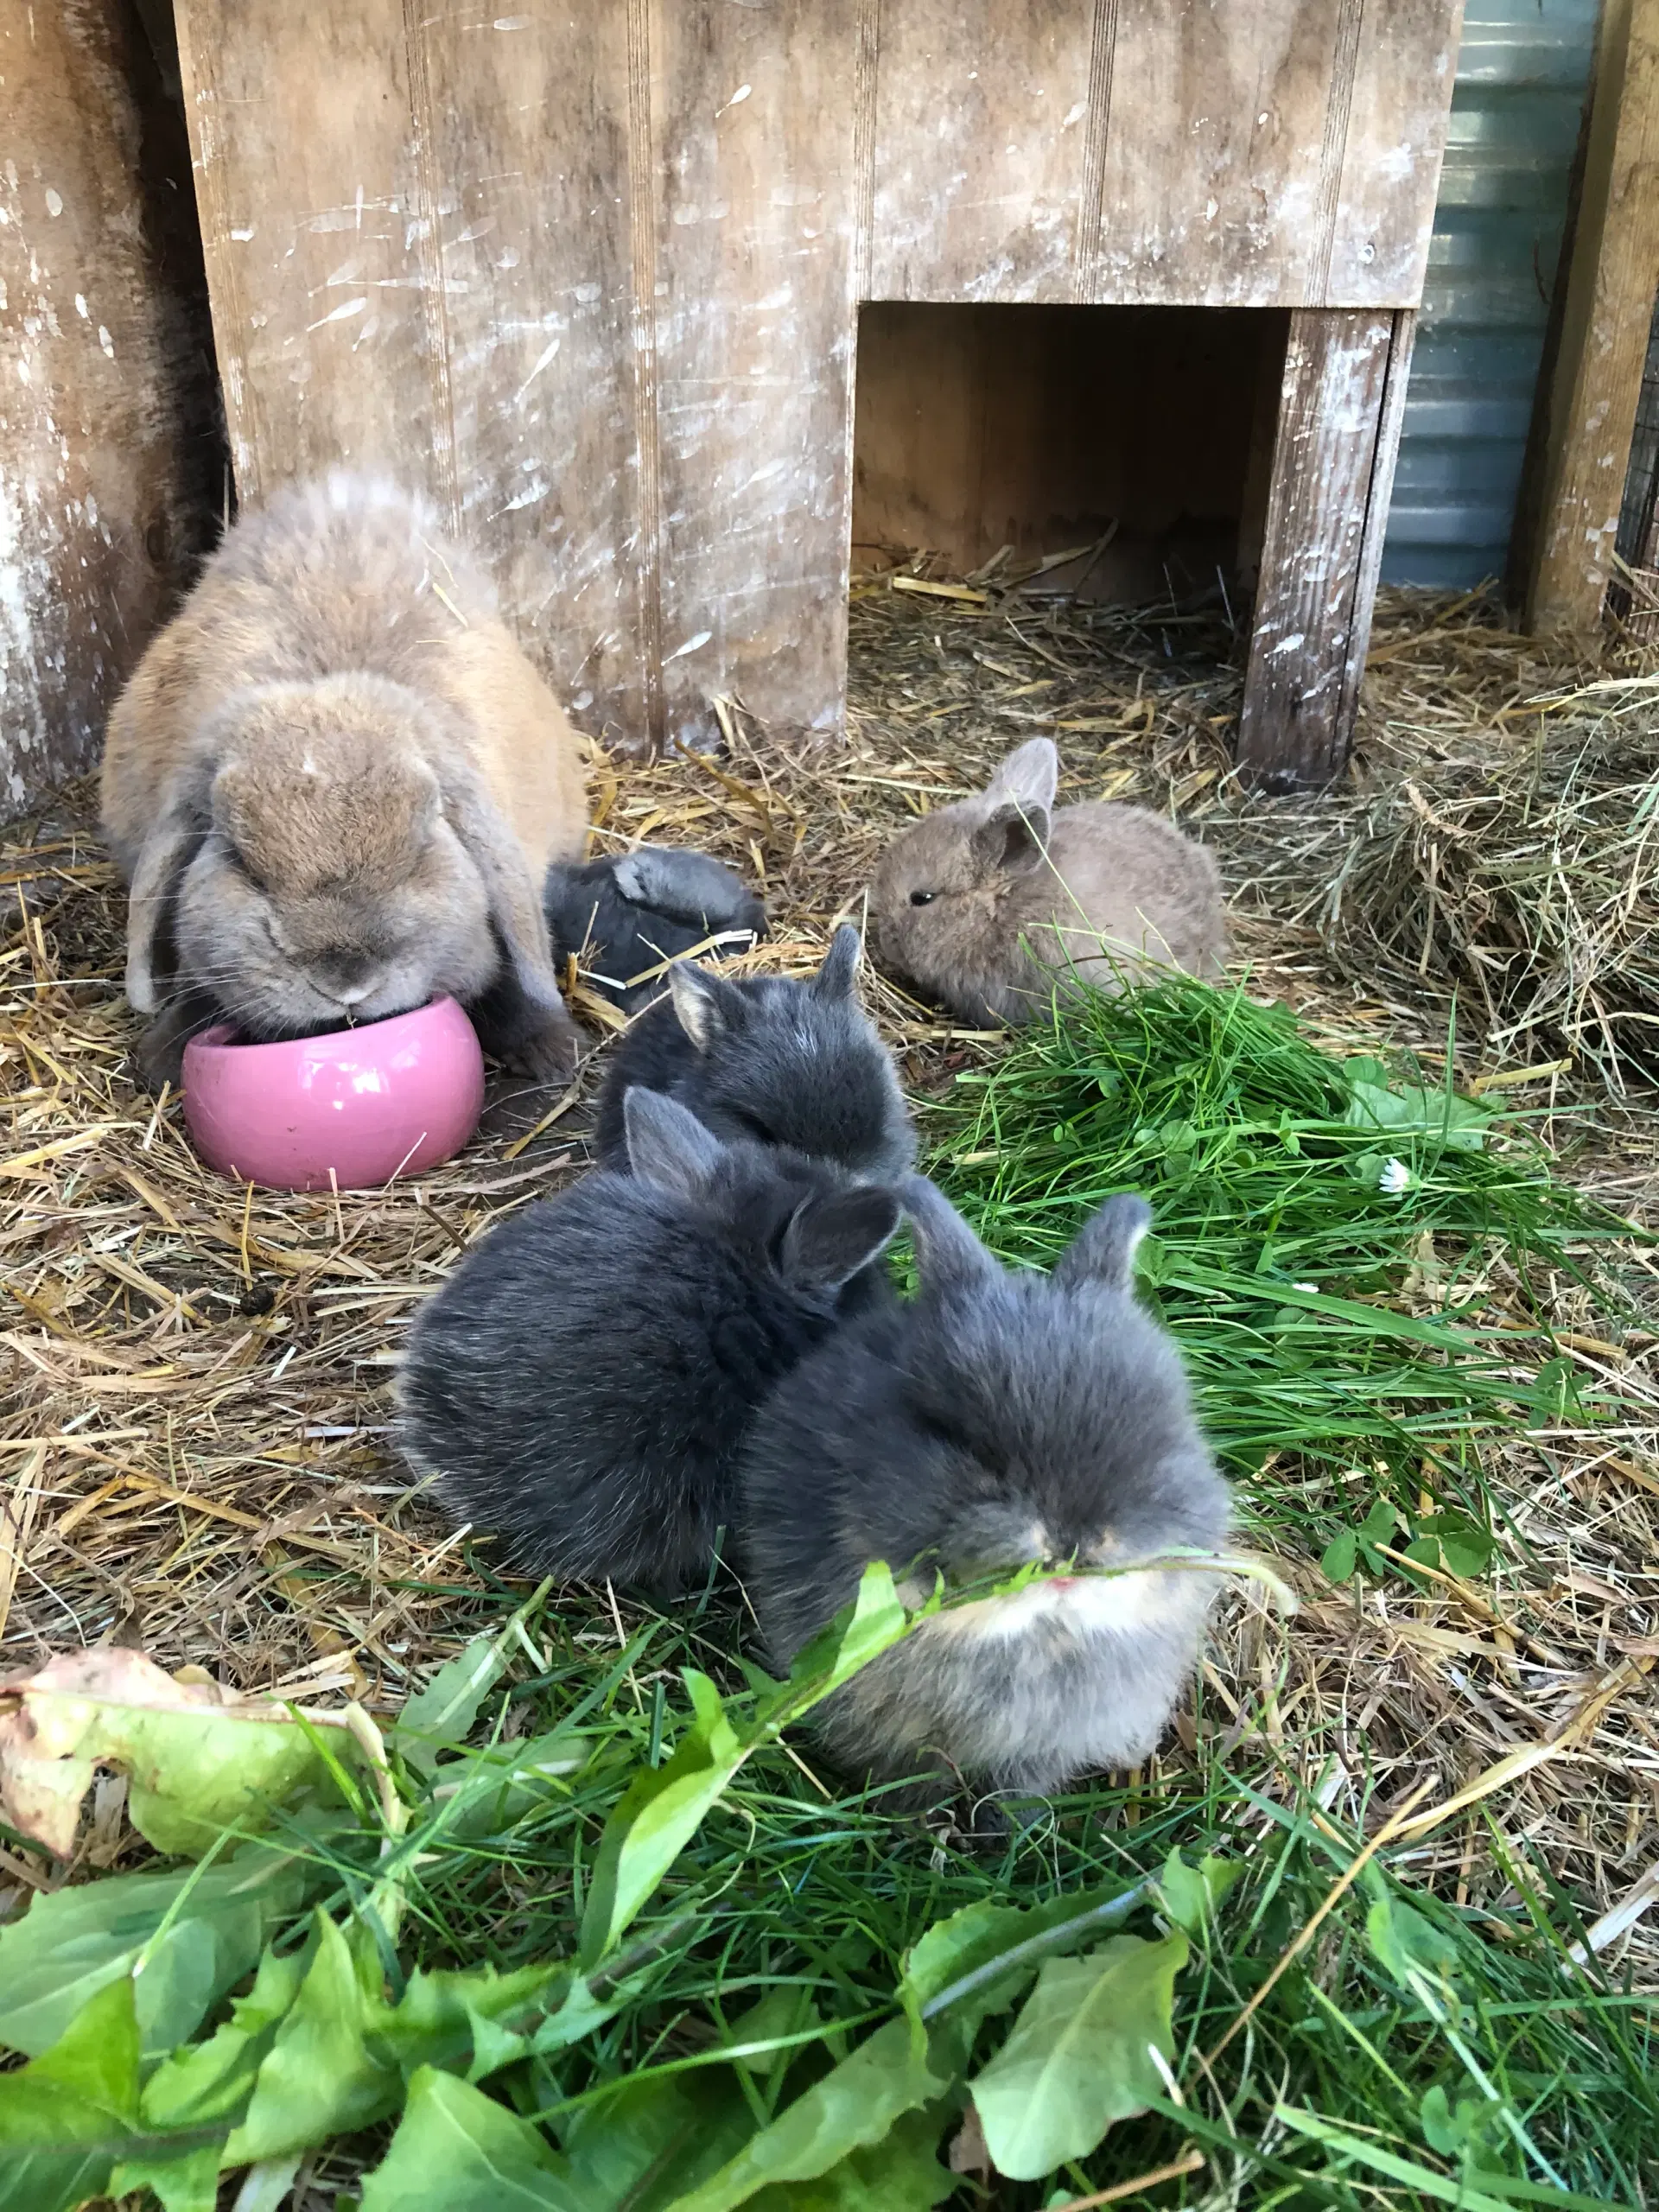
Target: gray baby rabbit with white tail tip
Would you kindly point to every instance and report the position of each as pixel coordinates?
(772, 1059)
(1005, 1417)
(582, 1381)
(986, 904)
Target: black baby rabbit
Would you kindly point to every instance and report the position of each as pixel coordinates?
(624, 916)
(1003, 1417)
(582, 1382)
(780, 1062)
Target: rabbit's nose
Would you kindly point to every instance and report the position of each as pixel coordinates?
(352, 993)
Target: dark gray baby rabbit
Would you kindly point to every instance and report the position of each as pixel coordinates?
(1003, 1417)
(623, 917)
(780, 1062)
(582, 1381)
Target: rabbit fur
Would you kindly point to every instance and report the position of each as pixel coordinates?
(623, 917)
(334, 784)
(982, 901)
(1004, 1416)
(582, 1382)
(764, 1057)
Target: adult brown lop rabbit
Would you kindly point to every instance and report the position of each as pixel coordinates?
(982, 901)
(334, 784)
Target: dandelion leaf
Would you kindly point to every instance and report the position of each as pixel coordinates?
(1078, 2057)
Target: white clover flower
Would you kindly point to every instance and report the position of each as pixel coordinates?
(1395, 1179)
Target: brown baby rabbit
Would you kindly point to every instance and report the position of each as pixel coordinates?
(334, 784)
(981, 902)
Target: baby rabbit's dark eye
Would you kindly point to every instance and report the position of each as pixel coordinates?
(756, 1128)
(923, 898)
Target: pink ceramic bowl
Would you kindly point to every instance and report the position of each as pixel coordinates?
(392, 1098)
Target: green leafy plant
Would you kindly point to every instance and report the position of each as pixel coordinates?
(634, 1954)
(1345, 1258)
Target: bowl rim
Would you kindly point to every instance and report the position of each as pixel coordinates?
(220, 1037)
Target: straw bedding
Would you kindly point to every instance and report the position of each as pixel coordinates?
(194, 1456)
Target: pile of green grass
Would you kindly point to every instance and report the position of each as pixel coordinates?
(602, 1938)
(441, 2014)
(1297, 1197)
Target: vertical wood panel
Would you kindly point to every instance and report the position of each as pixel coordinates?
(1391, 416)
(525, 119)
(95, 359)
(1388, 179)
(1292, 732)
(314, 226)
(1596, 380)
(1250, 153)
(416, 223)
(1210, 185)
(754, 338)
(981, 132)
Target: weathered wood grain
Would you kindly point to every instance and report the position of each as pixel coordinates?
(1373, 242)
(317, 231)
(1391, 421)
(590, 273)
(982, 125)
(95, 372)
(1292, 735)
(523, 121)
(1597, 375)
(755, 339)
(1242, 153)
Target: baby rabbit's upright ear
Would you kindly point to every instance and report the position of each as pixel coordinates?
(827, 1240)
(510, 885)
(1020, 803)
(175, 836)
(835, 978)
(668, 1145)
(1103, 1250)
(947, 1249)
(706, 1006)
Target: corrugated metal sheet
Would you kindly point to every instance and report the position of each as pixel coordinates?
(1522, 73)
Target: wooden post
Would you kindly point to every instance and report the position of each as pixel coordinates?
(1339, 414)
(99, 382)
(1597, 379)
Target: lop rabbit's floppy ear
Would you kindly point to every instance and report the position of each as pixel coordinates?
(947, 1250)
(667, 1144)
(510, 886)
(161, 859)
(835, 979)
(1103, 1249)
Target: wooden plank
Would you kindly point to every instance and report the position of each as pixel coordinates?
(97, 384)
(1374, 244)
(524, 121)
(1211, 180)
(313, 219)
(1596, 377)
(755, 331)
(404, 279)
(1248, 153)
(982, 127)
(1391, 418)
(1266, 387)
(1292, 735)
